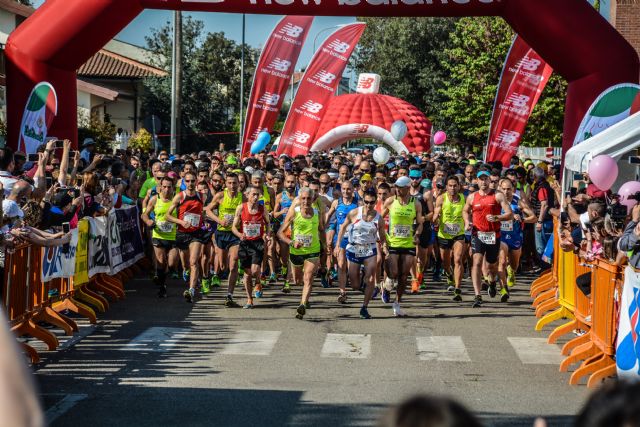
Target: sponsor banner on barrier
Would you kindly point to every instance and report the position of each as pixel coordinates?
(59, 265)
(628, 341)
(81, 275)
(317, 88)
(99, 259)
(524, 77)
(125, 240)
(273, 76)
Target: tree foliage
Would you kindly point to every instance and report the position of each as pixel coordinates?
(210, 80)
(450, 69)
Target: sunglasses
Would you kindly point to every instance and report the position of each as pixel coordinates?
(414, 178)
(189, 180)
(369, 202)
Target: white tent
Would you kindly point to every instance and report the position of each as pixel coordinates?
(616, 141)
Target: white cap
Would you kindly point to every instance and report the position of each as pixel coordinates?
(10, 209)
(403, 181)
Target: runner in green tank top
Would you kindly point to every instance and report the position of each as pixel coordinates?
(163, 232)
(306, 243)
(403, 211)
(448, 217)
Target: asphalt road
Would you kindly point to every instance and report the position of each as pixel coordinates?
(153, 362)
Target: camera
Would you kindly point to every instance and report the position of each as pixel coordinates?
(635, 197)
(617, 212)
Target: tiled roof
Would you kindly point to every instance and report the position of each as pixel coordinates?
(109, 64)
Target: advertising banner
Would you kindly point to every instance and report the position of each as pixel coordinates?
(524, 77)
(99, 260)
(41, 108)
(125, 240)
(368, 83)
(59, 265)
(628, 341)
(318, 85)
(273, 76)
(81, 275)
(612, 106)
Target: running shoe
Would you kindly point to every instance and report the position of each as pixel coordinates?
(364, 313)
(248, 306)
(215, 281)
(492, 290)
(376, 291)
(307, 305)
(385, 296)
(272, 278)
(325, 281)
(229, 302)
(485, 283)
(504, 295)
(437, 277)
(511, 277)
(397, 311)
(449, 277)
(415, 286)
(206, 285)
(477, 301)
(342, 298)
(457, 295)
(188, 295)
(300, 311)
(175, 275)
(334, 274)
(185, 275)
(283, 271)
(286, 288)
(162, 293)
(451, 288)
(258, 292)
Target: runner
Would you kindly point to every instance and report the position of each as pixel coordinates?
(511, 237)
(227, 202)
(426, 200)
(384, 191)
(208, 227)
(282, 205)
(251, 226)
(341, 207)
(403, 211)
(163, 232)
(482, 216)
(364, 225)
(450, 223)
(190, 237)
(306, 243)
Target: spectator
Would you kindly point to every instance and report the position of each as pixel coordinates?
(7, 164)
(429, 411)
(88, 150)
(630, 240)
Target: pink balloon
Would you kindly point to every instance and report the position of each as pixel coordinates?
(603, 171)
(628, 189)
(439, 138)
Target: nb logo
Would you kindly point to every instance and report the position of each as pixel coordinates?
(292, 30)
(366, 83)
(269, 98)
(529, 64)
(312, 107)
(281, 65)
(325, 77)
(301, 137)
(508, 137)
(339, 46)
(361, 129)
(519, 101)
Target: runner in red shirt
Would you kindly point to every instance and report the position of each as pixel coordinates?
(482, 215)
(251, 226)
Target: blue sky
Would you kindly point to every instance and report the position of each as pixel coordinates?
(258, 27)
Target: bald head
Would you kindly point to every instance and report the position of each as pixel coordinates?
(21, 189)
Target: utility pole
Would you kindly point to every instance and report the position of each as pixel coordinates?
(244, 17)
(176, 83)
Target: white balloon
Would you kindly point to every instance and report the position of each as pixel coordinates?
(399, 130)
(381, 155)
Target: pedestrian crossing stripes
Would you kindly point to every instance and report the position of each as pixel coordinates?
(252, 343)
(536, 351)
(347, 346)
(157, 339)
(444, 349)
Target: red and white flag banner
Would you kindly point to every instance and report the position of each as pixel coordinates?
(273, 76)
(524, 77)
(316, 89)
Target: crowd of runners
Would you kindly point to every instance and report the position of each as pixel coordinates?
(369, 231)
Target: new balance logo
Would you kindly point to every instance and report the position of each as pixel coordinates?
(291, 30)
(518, 101)
(281, 65)
(508, 137)
(325, 77)
(360, 128)
(301, 137)
(339, 46)
(529, 64)
(269, 98)
(366, 83)
(312, 107)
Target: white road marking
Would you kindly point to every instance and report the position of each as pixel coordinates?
(252, 343)
(347, 346)
(64, 405)
(82, 334)
(156, 339)
(443, 349)
(536, 351)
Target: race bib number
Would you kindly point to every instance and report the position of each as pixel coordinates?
(362, 251)
(252, 230)
(228, 218)
(506, 226)
(402, 231)
(305, 240)
(452, 229)
(488, 238)
(192, 219)
(164, 226)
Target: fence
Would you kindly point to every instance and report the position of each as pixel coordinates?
(42, 283)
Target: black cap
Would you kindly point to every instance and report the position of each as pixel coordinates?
(62, 199)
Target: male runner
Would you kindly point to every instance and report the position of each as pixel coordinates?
(282, 205)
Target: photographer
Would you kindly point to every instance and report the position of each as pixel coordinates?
(630, 240)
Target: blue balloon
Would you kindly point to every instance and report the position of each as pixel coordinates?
(261, 142)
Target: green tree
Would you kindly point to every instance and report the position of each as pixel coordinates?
(210, 81)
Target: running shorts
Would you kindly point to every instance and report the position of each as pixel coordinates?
(351, 257)
(490, 252)
(251, 252)
(298, 260)
(402, 251)
(226, 239)
(163, 244)
(448, 243)
(183, 240)
(513, 242)
(426, 237)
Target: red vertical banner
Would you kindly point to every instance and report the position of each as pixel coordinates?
(317, 87)
(524, 77)
(273, 76)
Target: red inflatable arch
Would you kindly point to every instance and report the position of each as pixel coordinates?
(62, 34)
(371, 116)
